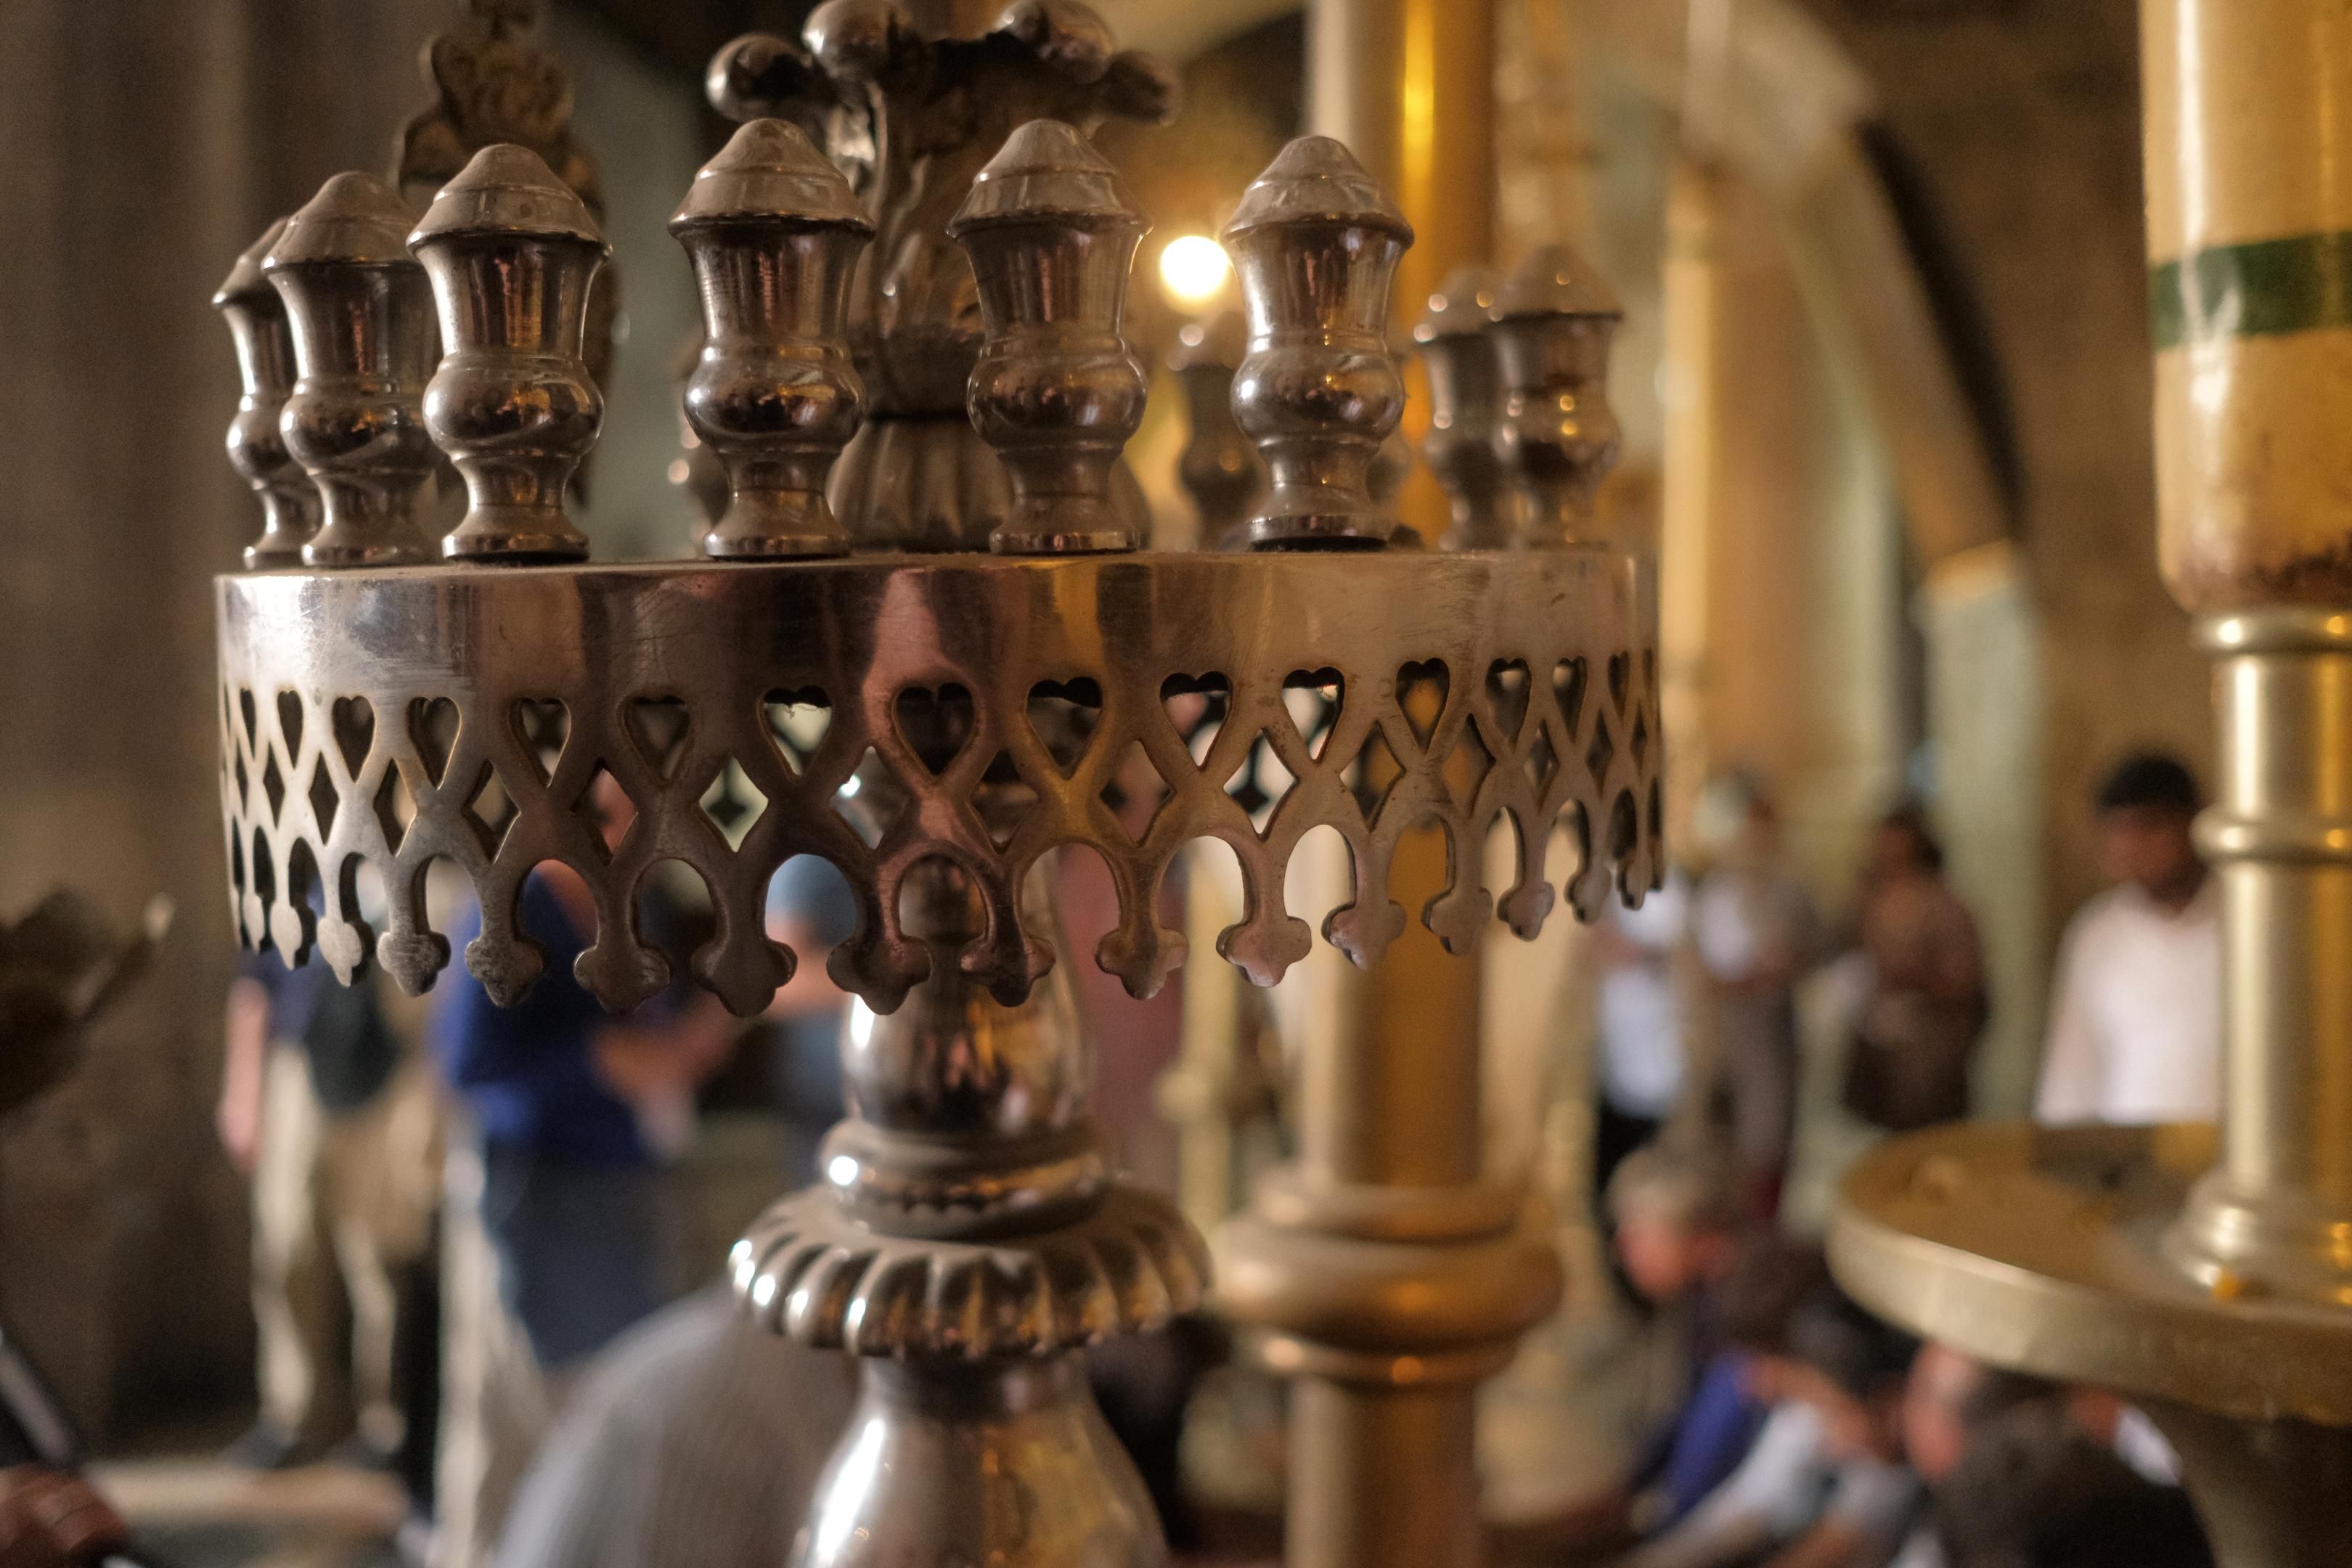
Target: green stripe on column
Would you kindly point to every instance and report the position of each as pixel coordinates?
(2258, 290)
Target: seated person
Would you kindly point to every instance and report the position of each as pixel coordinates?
(1676, 1214)
(1947, 1401)
(2036, 1490)
(1821, 1487)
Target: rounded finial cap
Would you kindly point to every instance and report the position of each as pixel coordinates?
(1317, 180)
(507, 190)
(1047, 170)
(245, 280)
(1462, 306)
(1556, 281)
(769, 169)
(355, 220)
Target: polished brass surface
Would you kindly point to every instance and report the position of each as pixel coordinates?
(1052, 234)
(1465, 396)
(511, 252)
(774, 232)
(1220, 468)
(981, 1463)
(1315, 242)
(913, 117)
(361, 317)
(265, 364)
(330, 685)
(1553, 321)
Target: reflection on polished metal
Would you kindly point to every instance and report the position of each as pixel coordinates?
(944, 727)
(1052, 235)
(511, 252)
(1220, 467)
(1316, 243)
(1554, 320)
(264, 363)
(1465, 394)
(361, 317)
(914, 118)
(2210, 1277)
(774, 231)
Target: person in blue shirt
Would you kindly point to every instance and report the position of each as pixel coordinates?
(561, 1229)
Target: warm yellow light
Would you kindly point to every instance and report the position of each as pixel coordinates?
(1193, 269)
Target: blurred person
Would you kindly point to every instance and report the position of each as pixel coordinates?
(561, 1229)
(1756, 933)
(1641, 1023)
(2135, 1014)
(1822, 1485)
(2035, 1490)
(1924, 1008)
(1948, 1401)
(1677, 1215)
(695, 1440)
(330, 1108)
(812, 910)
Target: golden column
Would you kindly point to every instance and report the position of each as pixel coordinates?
(1389, 1275)
(2210, 1276)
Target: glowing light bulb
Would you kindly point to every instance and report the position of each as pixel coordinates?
(1193, 269)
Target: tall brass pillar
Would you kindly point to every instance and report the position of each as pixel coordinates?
(2211, 1276)
(1391, 1276)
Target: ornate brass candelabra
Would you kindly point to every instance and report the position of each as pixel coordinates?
(937, 724)
(2210, 1277)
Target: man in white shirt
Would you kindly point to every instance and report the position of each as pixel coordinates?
(2136, 1018)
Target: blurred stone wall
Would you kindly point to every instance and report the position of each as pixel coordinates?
(149, 140)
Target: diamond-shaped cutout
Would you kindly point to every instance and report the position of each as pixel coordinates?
(871, 813)
(1258, 785)
(433, 730)
(324, 801)
(935, 725)
(732, 803)
(1541, 763)
(797, 721)
(247, 712)
(273, 783)
(541, 726)
(396, 808)
(1602, 753)
(1312, 699)
(1621, 681)
(352, 718)
(1372, 775)
(1135, 791)
(661, 727)
(290, 721)
(1568, 691)
(1640, 739)
(1421, 690)
(600, 805)
(1508, 688)
(1065, 714)
(489, 810)
(1004, 804)
(244, 785)
(1466, 766)
(1197, 706)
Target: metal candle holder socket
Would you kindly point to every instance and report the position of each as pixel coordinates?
(361, 314)
(774, 233)
(1316, 242)
(256, 448)
(1052, 237)
(511, 252)
(1554, 318)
